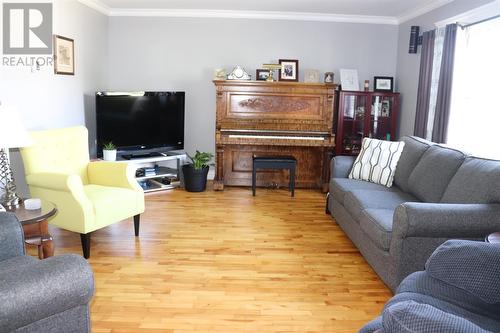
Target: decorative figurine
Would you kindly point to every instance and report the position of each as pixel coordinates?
(239, 73)
(329, 77)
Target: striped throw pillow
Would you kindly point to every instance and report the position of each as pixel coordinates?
(377, 161)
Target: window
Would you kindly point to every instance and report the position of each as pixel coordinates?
(474, 123)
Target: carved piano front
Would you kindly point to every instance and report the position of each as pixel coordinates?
(273, 118)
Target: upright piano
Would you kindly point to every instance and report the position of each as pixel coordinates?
(273, 118)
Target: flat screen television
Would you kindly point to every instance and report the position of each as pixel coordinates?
(138, 122)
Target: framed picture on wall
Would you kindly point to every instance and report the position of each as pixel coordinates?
(383, 83)
(289, 70)
(64, 55)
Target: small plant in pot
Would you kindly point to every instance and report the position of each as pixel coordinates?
(195, 173)
(109, 151)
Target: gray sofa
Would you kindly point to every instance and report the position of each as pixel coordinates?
(459, 292)
(438, 194)
(50, 295)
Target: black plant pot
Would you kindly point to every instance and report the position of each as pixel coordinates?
(195, 180)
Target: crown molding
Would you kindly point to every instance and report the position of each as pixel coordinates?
(416, 12)
(97, 5)
(238, 14)
(263, 15)
(476, 14)
(258, 15)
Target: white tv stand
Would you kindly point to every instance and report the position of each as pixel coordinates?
(153, 183)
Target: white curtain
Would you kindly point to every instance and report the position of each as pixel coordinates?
(474, 124)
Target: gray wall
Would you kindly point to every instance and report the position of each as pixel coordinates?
(181, 54)
(409, 64)
(45, 100)
(124, 53)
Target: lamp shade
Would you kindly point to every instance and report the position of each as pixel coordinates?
(13, 134)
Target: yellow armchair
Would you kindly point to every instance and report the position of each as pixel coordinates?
(88, 195)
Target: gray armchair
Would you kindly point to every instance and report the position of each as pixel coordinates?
(459, 291)
(50, 295)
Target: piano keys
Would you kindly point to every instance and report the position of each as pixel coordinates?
(281, 137)
(273, 118)
(276, 137)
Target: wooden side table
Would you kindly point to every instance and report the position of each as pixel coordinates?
(36, 226)
(493, 238)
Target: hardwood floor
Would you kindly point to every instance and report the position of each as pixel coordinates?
(229, 262)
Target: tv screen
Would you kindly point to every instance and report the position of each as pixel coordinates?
(136, 121)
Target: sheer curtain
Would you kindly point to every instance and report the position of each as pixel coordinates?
(444, 89)
(436, 69)
(474, 123)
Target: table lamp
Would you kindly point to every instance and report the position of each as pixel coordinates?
(12, 135)
(271, 68)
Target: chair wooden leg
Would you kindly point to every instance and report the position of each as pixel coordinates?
(254, 178)
(137, 221)
(291, 185)
(85, 245)
(40, 251)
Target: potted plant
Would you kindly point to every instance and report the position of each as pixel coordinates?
(109, 151)
(195, 173)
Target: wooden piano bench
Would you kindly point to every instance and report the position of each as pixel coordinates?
(274, 162)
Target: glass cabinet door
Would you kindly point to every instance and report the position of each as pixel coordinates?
(354, 111)
(364, 114)
(382, 107)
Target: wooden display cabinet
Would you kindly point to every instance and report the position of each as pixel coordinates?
(363, 114)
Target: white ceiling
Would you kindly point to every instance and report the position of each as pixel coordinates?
(370, 11)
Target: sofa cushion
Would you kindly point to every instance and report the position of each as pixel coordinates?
(358, 200)
(433, 173)
(447, 297)
(476, 181)
(377, 161)
(340, 186)
(14, 263)
(470, 313)
(377, 225)
(374, 326)
(458, 263)
(413, 317)
(414, 148)
(104, 199)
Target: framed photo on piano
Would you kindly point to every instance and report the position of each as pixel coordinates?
(289, 70)
(262, 74)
